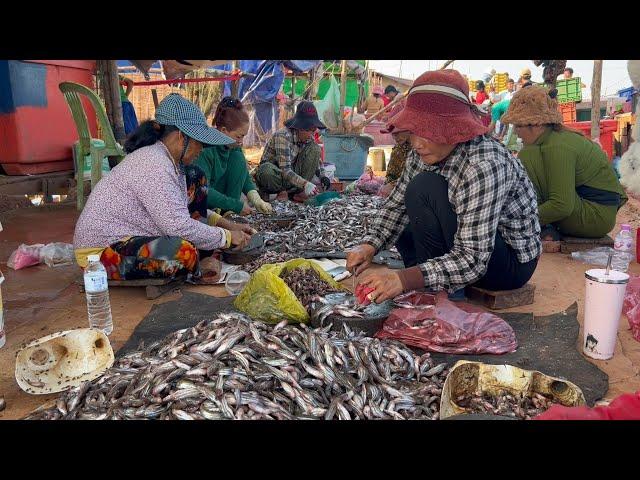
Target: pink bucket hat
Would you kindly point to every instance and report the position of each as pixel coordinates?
(438, 108)
(378, 89)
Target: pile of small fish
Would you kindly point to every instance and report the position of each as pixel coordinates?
(270, 223)
(321, 309)
(230, 367)
(306, 284)
(336, 225)
(267, 257)
(521, 406)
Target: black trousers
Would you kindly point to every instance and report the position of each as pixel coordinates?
(433, 225)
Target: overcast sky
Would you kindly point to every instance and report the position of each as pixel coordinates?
(614, 72)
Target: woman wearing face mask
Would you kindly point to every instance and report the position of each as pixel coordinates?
(464, 211)
(225, 166)
(139, 218)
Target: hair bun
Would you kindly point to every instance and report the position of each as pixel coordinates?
(231, 102)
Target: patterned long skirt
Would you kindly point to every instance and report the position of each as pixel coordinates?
(138, 258)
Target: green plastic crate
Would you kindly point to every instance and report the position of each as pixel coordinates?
(569, 90)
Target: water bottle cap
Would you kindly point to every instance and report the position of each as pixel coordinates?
(94, 258)
(625, 226)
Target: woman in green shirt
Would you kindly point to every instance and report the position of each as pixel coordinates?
(578, 192)
(226, 167)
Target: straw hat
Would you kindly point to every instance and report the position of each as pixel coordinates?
(532, 106)
(438, 108)
(378, 89)
(63, 360)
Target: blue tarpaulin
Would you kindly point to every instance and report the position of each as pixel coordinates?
(260, 91)
(127, 63)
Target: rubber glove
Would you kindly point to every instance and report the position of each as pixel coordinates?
(310, 189)
(258, 203)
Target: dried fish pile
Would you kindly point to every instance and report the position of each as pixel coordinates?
(306, 284)
(268, 257)
(524, 407)
(230, 367)
(337, 225)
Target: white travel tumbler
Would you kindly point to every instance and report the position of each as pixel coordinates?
(602, 309)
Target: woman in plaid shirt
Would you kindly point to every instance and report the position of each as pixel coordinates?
(463, 212)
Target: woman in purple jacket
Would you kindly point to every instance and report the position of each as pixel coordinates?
(148, 217)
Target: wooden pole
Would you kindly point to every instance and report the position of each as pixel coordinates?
(595, 101)
(362, 94)
(235, 85)
(343, 91)
(111, 93)
(307, 93)
(446, 64)
(392, 103)
(293, 87)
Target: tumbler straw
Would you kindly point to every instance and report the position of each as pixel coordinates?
(609, 260)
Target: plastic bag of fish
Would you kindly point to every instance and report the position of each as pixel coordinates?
(267, 296)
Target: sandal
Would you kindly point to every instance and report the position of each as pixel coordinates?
(210, 270)
(550, 234)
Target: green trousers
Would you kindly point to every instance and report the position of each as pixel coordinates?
(269, 177)
(588, 220)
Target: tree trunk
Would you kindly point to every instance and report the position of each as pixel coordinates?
(235, 85)
(343, 91)
(111, 92)
(595, 101)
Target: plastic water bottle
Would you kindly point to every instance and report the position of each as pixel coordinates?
(97, 290)
(624, 243)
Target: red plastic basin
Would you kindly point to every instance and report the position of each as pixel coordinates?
(607, 128)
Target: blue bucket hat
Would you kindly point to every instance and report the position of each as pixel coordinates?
(179, 112)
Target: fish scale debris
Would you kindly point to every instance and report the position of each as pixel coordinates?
(505, 404)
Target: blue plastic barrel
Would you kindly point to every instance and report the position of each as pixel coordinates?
(348, 153)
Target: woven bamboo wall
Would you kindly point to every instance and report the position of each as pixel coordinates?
(141, 97)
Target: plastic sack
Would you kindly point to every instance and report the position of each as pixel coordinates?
(599, 256)
(368, 183)
(268, 298)
(624, 407)
(433, 323)
(57, 254)
(25, 256)
(329, 107)
(631, 305)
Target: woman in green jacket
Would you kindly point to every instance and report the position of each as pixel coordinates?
(226, 167)
(578, 192)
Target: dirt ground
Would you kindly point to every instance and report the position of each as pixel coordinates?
(40, 300)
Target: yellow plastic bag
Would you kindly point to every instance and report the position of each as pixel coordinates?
(268, 298)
